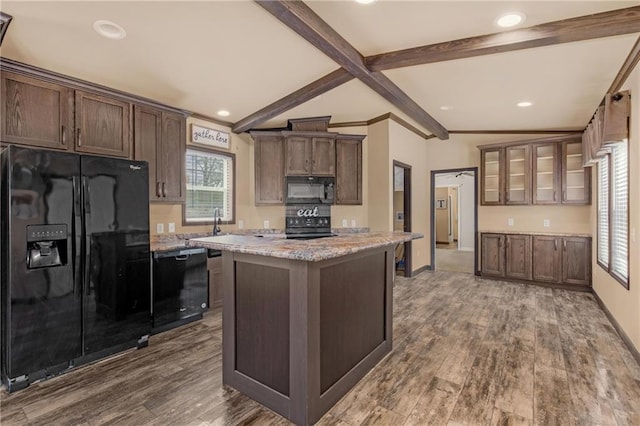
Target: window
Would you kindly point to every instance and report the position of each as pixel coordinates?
(210, 186)
(613, 212)
(603, 212)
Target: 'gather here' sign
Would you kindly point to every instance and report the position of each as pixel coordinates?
(207, 136)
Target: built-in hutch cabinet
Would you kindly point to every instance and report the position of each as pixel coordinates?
(553, 259)
(544, 171)
(307, 149)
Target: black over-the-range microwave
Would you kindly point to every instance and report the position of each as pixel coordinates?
(310, 190)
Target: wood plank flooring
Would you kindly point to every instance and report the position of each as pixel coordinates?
(467, 351)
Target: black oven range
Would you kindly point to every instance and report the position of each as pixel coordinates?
(306, 221)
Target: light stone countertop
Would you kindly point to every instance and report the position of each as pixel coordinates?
(307, 250)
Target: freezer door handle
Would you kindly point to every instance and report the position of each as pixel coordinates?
(76, 226)
(87, 236)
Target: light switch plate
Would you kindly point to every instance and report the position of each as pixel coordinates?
(265, 224)
(546, 223)
(344, 223)
(353, 223)
(172, 227)
(240, 224)
(160, 228)
(510, 221)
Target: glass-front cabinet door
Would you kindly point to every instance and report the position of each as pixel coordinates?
(545, 173)
(491, 163)
(576, 185)
(517, 174)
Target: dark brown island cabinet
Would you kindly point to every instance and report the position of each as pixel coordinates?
(304, 321)
(559, 260)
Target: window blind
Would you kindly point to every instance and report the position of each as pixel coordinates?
(603, 211)
(620, 212)
(209, 186)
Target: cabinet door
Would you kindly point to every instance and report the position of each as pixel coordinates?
(269, 169)
(492, 182)
(298, 156)
(102, 125)
(147, 137)
(35, 112)
(517, 172)
(545, 176)
(214, 266)
(172, 158)
(323, 157)
(576, 260)
(348, 171)
(547, 259)
(518, 256)
(493, 259)
(576, 179)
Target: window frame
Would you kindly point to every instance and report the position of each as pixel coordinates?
(624, 281)
(208, 150)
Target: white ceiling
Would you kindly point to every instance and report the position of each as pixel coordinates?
(210, 55)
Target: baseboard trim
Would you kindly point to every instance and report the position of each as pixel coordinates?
(420, 270)
(570, 287)
(634, 352)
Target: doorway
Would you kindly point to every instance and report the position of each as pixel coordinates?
(454, 220)
(402, 215)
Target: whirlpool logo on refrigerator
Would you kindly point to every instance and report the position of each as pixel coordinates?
(132, 167)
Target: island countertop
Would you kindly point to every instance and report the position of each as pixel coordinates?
(307, 250)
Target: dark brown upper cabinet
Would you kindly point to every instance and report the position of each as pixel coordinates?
(349, 169)
(309, 154)
(543, 171)
(269, 167)
(160, 139)
(102, 125)
(36, 112)
(50, 115)
(518, 175)
(492, 169)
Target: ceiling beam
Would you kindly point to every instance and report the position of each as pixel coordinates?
(629, 64)
(292, 100)
(304, 21)
(605, 24)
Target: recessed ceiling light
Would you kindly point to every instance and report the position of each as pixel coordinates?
(109, 29)
(524, 104)
(223, 113)
(365, 1)
(510, 19)
(446, 107)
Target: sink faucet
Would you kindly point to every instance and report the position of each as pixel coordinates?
(216, 221)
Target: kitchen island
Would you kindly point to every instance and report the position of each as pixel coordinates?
(304, 320)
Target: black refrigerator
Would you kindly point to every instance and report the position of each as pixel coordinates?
(75, 263)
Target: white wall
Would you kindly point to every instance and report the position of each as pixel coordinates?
(466, 232)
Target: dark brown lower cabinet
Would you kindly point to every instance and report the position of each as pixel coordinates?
(551, 259)
(518, 256)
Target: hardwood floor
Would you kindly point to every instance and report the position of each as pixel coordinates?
(467, 351)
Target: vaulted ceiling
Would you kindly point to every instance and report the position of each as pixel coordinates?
(269, 61)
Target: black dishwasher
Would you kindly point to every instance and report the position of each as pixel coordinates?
(180, 287)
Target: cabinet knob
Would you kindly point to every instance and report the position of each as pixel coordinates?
(79, 138)
(64, 136)
(555, 244)
(164, 190)
(158, 192)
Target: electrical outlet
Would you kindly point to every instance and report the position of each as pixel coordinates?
(546, 223)
(344, 223)
(172, 227)
(510, 221)
(265, 224)
(353, 223)
(160, 228)
(240, 224)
